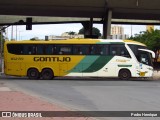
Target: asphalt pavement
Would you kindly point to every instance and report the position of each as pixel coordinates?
(93, 94)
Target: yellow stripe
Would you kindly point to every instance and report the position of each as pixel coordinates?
(69, 41)
(134, 42)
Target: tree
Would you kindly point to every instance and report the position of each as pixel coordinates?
(150, 38)
(2, 40)
(71, 33)
(95, 31)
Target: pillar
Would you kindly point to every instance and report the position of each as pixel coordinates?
(107, 24)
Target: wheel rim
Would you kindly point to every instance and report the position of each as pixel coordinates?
(124, 74)
(47, 74)
(33, 74)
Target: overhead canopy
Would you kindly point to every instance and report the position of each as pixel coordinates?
(13, 19)
(81, 10)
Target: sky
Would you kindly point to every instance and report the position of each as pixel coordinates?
(41, 31)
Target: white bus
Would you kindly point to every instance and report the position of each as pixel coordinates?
(78, 57)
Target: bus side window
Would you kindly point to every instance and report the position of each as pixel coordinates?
(30, 49)
(77, 50)
(124, 52)
(49, 49)
(113, 50)
(92, 49)
(81, 49)
(66, 49)
(119, 50)
(40, 49)
(99, 49)
(15, 48)
(62, 49)
(55, 50)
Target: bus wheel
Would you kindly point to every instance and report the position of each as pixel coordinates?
(47, 74)
(33, 73)
(124, 74)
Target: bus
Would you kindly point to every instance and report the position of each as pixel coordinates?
(78, 57)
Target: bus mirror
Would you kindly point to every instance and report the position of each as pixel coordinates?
(150, 51)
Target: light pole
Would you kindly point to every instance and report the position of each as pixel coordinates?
(20, 35)
(131, 30)
(12, 33)
(16, 32)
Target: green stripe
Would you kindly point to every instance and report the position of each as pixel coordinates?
(91, 64)
(84, 64)
(98, 64)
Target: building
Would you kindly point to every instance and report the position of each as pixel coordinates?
(117, 32)
(150, 27)
(75, 35)
(54, 37)
(120, 36)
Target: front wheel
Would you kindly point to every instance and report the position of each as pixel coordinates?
(124, 74)
(47, 74)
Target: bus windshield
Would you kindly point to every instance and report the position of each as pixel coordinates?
(145, 58)
(143, 54)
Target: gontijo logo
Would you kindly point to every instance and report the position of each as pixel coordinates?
(52, 59)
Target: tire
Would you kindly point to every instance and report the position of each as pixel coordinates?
(33, 73)
(124, 74)
(47, 74)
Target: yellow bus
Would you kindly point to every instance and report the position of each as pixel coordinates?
(77, 57)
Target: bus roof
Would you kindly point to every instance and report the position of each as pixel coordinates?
(78, 41)
(133, 42)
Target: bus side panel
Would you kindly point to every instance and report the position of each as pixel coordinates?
(15, 68)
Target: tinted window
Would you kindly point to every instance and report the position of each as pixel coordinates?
(145, 58)
(44, 49)
(135, 48)
(90, 49)
(82, 49)
(63, 49)
(15, 48)
(29, 49)
(58, 49)
(119, 50)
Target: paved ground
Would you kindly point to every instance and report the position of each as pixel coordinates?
(13, 100)
(80, 94)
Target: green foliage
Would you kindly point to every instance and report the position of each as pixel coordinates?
(1, 40)
(71, 33)
(95, 31)
(150, 38)
(81, 31)
(1, 37)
